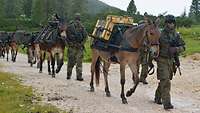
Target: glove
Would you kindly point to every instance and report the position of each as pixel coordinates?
(172, 50)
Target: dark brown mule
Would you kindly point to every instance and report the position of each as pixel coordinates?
(54, 49)
(134, 38)
(2, 49)
(3, 38)
(12, 46)
(28, 43)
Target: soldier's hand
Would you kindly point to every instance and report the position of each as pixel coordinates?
(172, 50)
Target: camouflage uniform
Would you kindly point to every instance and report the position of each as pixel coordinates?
(165, 62)
(145, 58)
(77, 39)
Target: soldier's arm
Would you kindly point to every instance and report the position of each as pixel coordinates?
(85, 34)
(181, 44)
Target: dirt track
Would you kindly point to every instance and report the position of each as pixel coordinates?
(74, 96)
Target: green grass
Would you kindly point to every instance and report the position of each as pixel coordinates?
(191, 37)
(88, 52)
(16, 98)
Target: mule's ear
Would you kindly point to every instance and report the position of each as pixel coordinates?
(157, 22)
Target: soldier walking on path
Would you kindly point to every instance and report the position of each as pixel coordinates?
(77, 39)
(171, 44)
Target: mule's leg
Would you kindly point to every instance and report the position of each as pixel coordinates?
(60, 62)
(49, 63)
(12, 54)
(122, 73)
(93, 65)
(92, 77)
(30, 55)
(53, 65)
(41, 59)
(3, 53)
(37, 53)
(7, 52)
(49, 66)
(34, 57)
(105, 73)
(15, 54)
(134, 70)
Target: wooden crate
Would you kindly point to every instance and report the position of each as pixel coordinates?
(108, 25)
(97, 32)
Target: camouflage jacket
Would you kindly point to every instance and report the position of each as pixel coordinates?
(77, 34)
(170, 39)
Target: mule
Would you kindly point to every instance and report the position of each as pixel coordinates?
(31, 47)
(11, 45)
(128, 54)
(54, 47)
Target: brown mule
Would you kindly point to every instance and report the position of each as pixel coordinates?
(12, 46)
(134, 37)
(53, 48)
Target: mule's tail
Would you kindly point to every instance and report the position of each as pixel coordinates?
(97, 70)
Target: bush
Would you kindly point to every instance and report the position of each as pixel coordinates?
(184, 22)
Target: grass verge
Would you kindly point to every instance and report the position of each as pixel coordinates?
(16, 98)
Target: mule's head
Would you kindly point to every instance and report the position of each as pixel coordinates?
(153, 36)
(62, 29)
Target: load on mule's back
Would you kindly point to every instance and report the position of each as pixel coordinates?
(109, 34)
(125, 53)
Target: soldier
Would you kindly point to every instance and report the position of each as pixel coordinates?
(54, 20)
(77, 39)
(52, 25)
(145, 60)
(145, 57)
(171, 45)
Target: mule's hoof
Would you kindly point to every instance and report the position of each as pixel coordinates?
(49, 73)
(40, 71)
(57, 70)
(91, 89)
(53, 76)
(108, 94)
(128, 93)
(124, 101)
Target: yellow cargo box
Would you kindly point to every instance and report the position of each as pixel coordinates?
(108, 25)
(97, 30)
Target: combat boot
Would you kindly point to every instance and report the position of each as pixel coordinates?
(168, 106)
(79, 77)
(69, 75)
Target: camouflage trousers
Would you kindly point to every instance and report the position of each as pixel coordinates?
(144, 61)
(164, 74)
(75, 57)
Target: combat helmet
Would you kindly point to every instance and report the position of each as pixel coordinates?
(170, 19)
